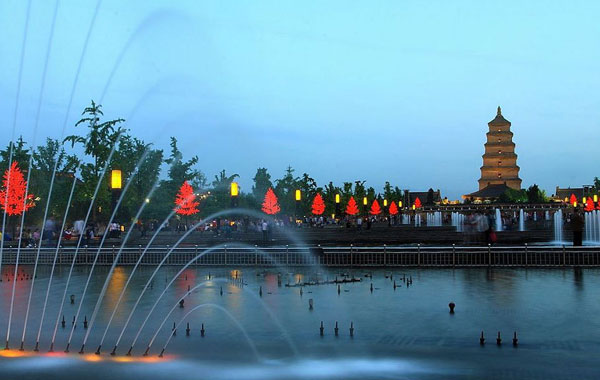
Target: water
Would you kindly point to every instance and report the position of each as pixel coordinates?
(457, 220)
(434, 219)
(402, 333)
(592, 227)
(558, 226)
(498, 220)
(521, 220)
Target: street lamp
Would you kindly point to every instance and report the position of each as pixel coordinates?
(365, 202)
(337, 206)
(234, 191)
(116, 179)
(298, 197)
(595, 198)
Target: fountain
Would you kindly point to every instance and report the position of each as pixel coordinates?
(521, 220)
(499, 225)
(457, 220)
(434, 219)
(558, 226)
(592, 227)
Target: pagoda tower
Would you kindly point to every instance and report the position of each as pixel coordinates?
(499, 161)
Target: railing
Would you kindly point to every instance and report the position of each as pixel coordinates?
(348, 256)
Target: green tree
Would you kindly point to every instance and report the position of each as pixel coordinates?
(98, 143)
(284, 188)
(179, 171)
(220, 198)
(535, 195)
(262, 181)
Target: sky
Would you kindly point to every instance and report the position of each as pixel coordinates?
(397, 91)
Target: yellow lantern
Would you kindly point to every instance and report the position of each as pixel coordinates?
(298, 195)
(332, 216)
(414, 207)
(399, 203)
(595, 198)
(574, 204)
(584, 199)
(337, 198)
(385, 203)
(365, 201)
(115, 179)
(234, 189)
(122, 228)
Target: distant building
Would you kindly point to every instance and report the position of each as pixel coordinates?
(429, 197)
(564, 194)
(499, 171)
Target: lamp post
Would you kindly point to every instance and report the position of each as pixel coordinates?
(387, 212)
(365, 202)
(234, 191)
(337, 205)
(116, 184)
(400, 211)
(298, 198)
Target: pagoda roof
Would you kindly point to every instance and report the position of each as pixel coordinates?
(499, 119)
(490, 191)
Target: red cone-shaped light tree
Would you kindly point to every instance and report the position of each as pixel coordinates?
(418, 203)
(186, 200)
(351, 208)
(318, 205)
(375, 209)
(589, 205)
(573, 199)
(270, 205)
(393, 208)
(12, 194)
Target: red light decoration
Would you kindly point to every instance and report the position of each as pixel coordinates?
(375, 209)
(417, 203)
(270, 205)
(589, 204)
(393, 208)
(318, 205)
(12, 194)
(351, 208)
(573, 199)
(186, 200)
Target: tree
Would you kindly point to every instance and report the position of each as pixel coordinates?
(262, 182)
(270, 205)
(535, 195)
(286, 187)
(318, 205)
(418, 203)
(19, 153)
(97, 143)
(220, 197)
(393, 208)
(12, 194)
(352, 208)
(186, 200)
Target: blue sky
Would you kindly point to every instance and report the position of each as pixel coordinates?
(343, 90)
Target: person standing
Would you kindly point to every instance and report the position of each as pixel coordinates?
(577, 224)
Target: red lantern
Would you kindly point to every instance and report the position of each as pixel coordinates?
(270, 205)
(186, 200)
(318, 205)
